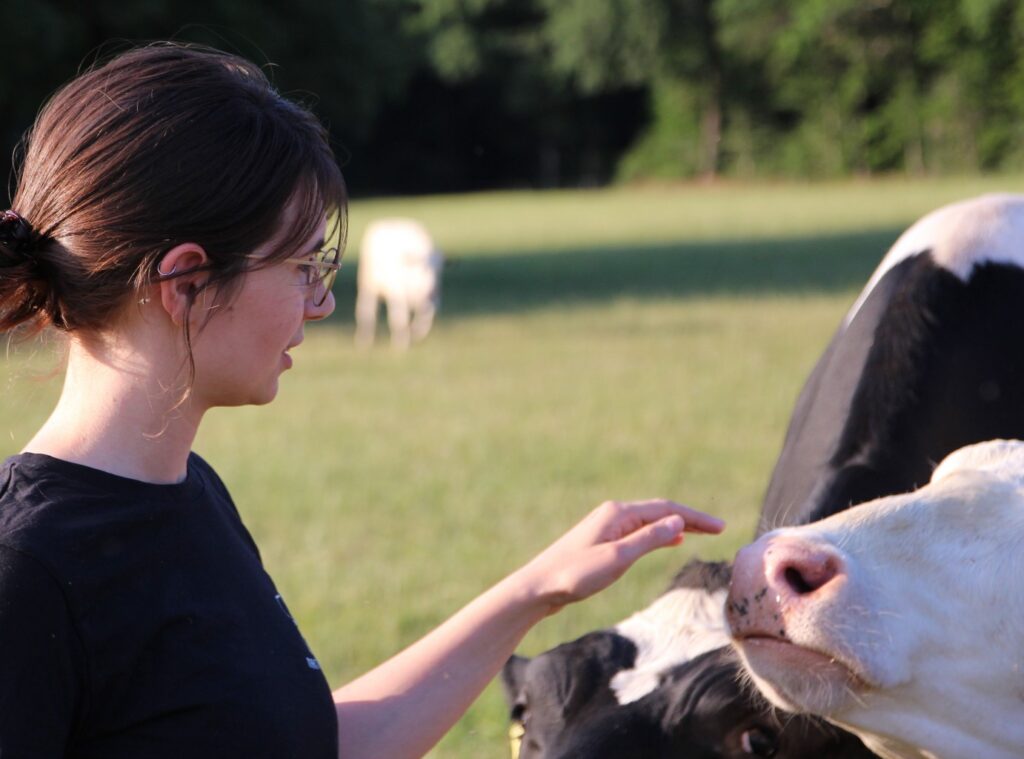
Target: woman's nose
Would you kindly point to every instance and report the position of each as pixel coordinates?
(325, 309)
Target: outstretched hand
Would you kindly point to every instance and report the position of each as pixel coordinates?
(598, 550)
(404, 706)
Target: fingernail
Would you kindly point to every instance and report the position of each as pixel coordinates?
(675, 523)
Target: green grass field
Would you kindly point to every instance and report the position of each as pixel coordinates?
(592, 345)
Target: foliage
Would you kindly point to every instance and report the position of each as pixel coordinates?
(428, 95)
(349, 52)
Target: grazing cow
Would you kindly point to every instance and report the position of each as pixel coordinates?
(659, 685)
(926, 361)
(399, 264)
(902, 619)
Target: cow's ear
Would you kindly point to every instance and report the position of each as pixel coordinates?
(513, 675)
(702, 575)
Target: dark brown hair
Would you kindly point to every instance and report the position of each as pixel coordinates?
(161, 145)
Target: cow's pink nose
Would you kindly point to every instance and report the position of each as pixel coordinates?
(775, 576)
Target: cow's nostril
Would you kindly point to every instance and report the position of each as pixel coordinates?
(810, 573)
(797, 582)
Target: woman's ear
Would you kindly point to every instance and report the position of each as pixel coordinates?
(180, 275)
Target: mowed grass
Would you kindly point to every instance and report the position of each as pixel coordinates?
(592, 345)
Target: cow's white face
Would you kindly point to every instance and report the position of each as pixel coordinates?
(903, 619)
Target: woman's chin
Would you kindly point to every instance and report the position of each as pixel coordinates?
(798, 679)
(265, 396)
(251, 396)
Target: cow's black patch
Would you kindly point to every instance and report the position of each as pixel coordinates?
(700, 710)
(563, 684)
(703, 575)
(929, 364)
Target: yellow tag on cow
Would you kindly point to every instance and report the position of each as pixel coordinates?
(516, 731)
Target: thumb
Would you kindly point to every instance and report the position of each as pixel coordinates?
(667, 531)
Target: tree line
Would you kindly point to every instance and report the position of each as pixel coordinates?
(449, 95)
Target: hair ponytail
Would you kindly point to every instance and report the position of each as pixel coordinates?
(26, 298)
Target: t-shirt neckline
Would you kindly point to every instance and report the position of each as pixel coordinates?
(102, 478)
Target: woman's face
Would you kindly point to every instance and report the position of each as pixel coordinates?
(241, 351)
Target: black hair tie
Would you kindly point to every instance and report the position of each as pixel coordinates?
(15, 233)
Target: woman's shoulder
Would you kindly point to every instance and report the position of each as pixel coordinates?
(32, 485)
(52, 506)
(33, 481)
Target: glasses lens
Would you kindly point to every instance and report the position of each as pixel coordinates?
(327, 274)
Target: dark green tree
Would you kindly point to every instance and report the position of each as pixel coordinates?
(670, 48)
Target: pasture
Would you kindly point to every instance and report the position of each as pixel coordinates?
(591, 345)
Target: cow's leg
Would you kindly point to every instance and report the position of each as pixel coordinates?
(398, 322)
(366, 317)
(422, 321)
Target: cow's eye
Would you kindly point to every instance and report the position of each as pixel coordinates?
(758, 742)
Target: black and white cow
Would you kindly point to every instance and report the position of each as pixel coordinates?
(926, 361)
(648, 690)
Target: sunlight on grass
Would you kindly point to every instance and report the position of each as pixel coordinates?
(386, 490)
(521, 221)
(430, 475)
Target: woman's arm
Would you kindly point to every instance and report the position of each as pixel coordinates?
(403, 707)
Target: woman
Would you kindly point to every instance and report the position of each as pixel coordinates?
(170, 218)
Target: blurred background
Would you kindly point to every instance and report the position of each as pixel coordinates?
(458, 95)
(656, 212)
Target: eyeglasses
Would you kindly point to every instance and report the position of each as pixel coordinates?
(320, 269)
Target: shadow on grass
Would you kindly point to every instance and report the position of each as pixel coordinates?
(511, 282)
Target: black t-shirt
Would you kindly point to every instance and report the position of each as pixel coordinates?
(136, 620)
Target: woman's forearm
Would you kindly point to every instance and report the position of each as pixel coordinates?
(403, 707)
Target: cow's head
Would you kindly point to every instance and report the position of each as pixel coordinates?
(903, 618)
(562, 708)
(618, 694)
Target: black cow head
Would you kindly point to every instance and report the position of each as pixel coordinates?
(701, 710)
(563, 704)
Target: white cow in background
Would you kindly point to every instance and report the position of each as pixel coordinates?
(399, 264)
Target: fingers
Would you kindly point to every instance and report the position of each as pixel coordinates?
(667, 531)
(642, 526)
(605, 544)
(647, 512)
(698, 521)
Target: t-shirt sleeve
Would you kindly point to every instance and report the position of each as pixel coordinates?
(40, 661)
